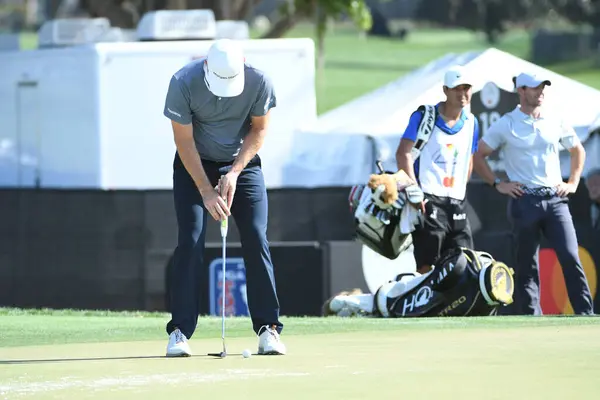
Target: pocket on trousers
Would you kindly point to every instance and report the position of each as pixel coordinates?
(434, 218)
(457, 216)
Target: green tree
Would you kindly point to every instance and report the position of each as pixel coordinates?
(320, 11)
(580, 11)
(492, 16)
(125, 13)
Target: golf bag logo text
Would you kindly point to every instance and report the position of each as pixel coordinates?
(443, 274)
(452, 306)
(416, 300)
(459, 217)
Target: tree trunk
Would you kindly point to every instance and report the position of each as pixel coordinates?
(52, 7)
(321, 27)
(227, 9)
(177, 4)
(280, 28)
(118, 16)
(217, 7)
(31, 12)
(242, 8)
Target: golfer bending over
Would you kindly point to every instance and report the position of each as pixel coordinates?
(219, 107)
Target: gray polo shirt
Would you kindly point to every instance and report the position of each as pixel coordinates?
(220, 123)
(531, 146)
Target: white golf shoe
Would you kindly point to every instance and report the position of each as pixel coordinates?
(345, 306)
(269, 342)
(178, 345)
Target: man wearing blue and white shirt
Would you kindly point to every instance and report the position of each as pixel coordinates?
(443, 170)
(530, 138)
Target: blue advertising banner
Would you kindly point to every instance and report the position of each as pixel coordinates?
(236, 300)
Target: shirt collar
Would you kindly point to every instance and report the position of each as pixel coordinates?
(463, 115)
(524, 116)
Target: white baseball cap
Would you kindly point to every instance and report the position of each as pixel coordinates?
(530, 80)
(456, 76)
(225, 68)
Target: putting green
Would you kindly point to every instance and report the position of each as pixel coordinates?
(417, 359)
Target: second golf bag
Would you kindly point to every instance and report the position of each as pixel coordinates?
(463, 283)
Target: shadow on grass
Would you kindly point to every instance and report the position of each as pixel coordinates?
(57, 360)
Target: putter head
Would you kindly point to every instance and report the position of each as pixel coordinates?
(222, 354)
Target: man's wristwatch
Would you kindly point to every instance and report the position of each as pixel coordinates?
(496, 182)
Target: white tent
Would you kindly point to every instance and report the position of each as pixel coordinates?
(592, 148)
(377, 112)
(596, 124)
(339, 149)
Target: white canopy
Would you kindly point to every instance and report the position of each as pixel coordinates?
(339, 149)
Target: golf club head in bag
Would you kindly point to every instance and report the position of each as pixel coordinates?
(385, 212)
(376, 228)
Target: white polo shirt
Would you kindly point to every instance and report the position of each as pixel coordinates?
(531, 146)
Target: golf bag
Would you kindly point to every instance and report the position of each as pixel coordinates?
(463, 283)
(386, 228)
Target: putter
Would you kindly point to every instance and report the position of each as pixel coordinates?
(222, 354)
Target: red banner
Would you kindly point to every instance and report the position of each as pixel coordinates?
(554, 298)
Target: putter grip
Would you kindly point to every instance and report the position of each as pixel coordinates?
(224, 227)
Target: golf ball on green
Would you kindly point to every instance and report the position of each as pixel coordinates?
(246, 353)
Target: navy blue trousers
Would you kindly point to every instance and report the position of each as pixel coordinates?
(531, 216)
(250, 212)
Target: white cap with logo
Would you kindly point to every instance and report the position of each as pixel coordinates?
(530, 80)
(225, 68)
(456, 76)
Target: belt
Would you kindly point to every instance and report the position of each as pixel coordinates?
(443, 200)
(539, 191)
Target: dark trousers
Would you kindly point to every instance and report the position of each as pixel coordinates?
(250, 212)
(444, 227)
(531, 216)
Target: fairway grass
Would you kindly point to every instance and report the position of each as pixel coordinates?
(98, 355)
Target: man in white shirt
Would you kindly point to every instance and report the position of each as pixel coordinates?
(530, 138)
(442, 170)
